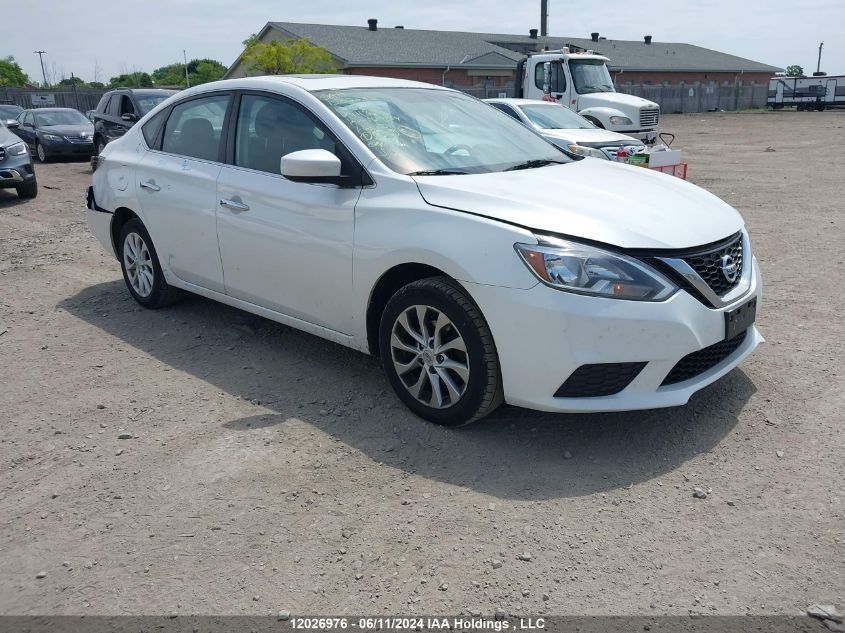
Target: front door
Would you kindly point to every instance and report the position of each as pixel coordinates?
(286, 246)
(177, 189)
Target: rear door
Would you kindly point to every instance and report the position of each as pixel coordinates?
(177, 187)
(285, 246)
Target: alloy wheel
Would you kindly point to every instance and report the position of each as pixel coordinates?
(430, 356)
(39, 150)
(138, 264)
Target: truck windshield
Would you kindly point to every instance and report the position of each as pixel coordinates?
(552, 116)
(590, 75)
(422, 131)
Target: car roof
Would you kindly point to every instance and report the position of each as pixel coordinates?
(313, 83)
(53, 110)
(518, 102)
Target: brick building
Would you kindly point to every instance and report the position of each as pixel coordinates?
(487, 61)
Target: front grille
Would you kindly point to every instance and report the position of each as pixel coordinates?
(603, 379)
(2, 153)
(649, 117)
(79, 139)
(697, 363)
(709, 266)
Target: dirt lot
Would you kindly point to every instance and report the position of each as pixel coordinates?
(271, 470)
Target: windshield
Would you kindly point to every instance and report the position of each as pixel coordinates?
(420, 130)
(60, 117)
(590, 76)
(9, 111)
(148, 102)
(555, 117)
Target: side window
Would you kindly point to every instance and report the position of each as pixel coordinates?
(269, 128)
(507, 110)
(557, 80)
(126, 106)
(29, 118)
(150, 129)
(195, 127)
(103, 105)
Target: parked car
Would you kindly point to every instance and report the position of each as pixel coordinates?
(498, 268)
(9, 112)
(16, 171)
(566, 128)
(118, 110)
(51, 132)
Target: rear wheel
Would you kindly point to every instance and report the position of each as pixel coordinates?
(29, 190)
(438, 353)
(141, 269)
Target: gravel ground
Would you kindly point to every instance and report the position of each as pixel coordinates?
(269, 470)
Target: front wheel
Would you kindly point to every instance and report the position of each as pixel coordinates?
(29, 190)
(40, 152)
(438, 353)
(141, 269)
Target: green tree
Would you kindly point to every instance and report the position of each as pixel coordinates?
(11, 74)
(96, 84)
(70, 81)
(794, 71)
(293, 56)
(132, 80)
(200, 71)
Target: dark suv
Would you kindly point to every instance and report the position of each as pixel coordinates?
(119, 109)
(16, 170)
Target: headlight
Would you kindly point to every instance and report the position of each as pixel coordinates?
(50, 137)
(620, 120)
(16, 150)
(587, 151)
(592, 271)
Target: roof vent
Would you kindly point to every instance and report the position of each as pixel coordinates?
(532, 33)
(647, 39)
(398, 26)
(594, 37)
(373, 24)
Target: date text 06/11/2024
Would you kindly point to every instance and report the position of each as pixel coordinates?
(417, 623)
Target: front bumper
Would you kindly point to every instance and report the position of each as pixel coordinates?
(543, 335)
(16, 171)
(67, 148)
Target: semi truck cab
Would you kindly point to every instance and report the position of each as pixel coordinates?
(581, 82)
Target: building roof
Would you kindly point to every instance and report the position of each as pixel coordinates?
(396, 47)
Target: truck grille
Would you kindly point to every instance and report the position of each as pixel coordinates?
(649, 117)
(709, 266)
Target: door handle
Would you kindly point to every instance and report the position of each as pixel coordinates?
(149, 184)
(234, 205)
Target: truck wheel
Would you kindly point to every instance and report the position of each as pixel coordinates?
(29, 190)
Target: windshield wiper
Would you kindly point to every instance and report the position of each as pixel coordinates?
(438, 172)
(531, 164)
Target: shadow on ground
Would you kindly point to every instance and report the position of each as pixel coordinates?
(514, 454)
(9, 198)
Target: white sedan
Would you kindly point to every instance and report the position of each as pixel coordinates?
(480, 262)
(566, 128)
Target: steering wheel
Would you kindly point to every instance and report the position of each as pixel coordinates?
(457, 148)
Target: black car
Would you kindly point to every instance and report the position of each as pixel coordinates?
(9, 112)
(56, 132)
(119, 109)
(16, 170)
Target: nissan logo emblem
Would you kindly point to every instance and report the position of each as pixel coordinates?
(729, 268)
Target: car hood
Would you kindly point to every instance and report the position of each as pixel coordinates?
(7, 137)
(620, 100)
(622, 205)
(592, 137)
(68, 130)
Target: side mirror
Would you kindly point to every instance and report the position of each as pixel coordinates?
(311, 165)
(129, 117)
(13, 125)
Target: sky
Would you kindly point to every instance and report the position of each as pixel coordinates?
(98, 39)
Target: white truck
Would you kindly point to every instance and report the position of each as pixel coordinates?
(581, 82)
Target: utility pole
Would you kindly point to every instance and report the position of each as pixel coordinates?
(185, 57)
(43, 72)
(544, 17)
(819, 65)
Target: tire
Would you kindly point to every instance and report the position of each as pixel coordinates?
(99, 146)
(28, 191)
(464, 396)
(41, 153)
(147, 286)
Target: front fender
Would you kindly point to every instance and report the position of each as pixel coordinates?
(602, 115)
